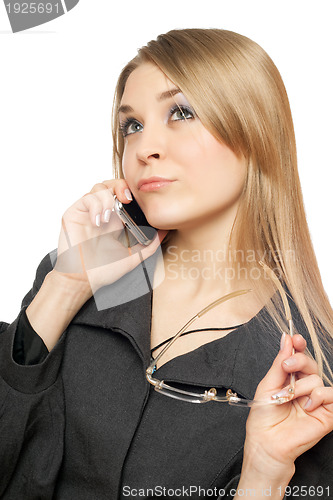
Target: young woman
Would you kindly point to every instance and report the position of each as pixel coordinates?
(204, 141)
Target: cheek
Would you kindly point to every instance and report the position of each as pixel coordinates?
(225, 164)
(212, 162)
(189, 150)
(126, 163)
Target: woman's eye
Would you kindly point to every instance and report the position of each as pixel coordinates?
(177, 113)
(130, 126)
(181, 113)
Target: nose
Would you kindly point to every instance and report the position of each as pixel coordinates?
(151, 146)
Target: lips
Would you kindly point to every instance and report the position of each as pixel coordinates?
(153, 183)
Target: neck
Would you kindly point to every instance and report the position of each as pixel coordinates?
(201, 259)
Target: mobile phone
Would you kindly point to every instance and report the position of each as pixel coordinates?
(134, 219)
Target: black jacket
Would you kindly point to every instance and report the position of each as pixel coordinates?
(85, 424)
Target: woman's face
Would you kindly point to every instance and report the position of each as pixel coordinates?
(197, 178)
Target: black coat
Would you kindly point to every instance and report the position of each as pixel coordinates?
(85, 424)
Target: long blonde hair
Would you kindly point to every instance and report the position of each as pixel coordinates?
(239, 96)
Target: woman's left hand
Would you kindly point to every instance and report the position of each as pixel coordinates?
(277, 434)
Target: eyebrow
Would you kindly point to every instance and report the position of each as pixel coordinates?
(125, 108)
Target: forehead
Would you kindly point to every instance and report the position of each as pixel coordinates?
(144, 80)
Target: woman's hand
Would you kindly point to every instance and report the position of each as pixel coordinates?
(88, 249)
(89, 257)
(277, 434)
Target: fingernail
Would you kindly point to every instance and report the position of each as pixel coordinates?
(283, 340)
(107, 215)
(128, 195)
(98, 220)
(282, 394)
(290, 361)
(307, 404)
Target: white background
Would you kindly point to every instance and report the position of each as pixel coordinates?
(56, 91)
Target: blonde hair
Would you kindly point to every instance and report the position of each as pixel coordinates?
(239, 96)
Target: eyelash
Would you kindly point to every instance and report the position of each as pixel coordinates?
(185, 110)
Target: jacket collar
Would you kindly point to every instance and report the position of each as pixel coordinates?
(124, 306)
(237, 361)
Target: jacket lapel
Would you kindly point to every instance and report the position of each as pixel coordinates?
(124, 306)
(237, 361)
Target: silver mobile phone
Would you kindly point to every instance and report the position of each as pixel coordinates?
(134, 219)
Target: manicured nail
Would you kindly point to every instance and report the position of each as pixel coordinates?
(290, 361)
(98, 220)
(128, 195)
(282, 394)
(307, 404)
(107, 215)
(283, 340)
